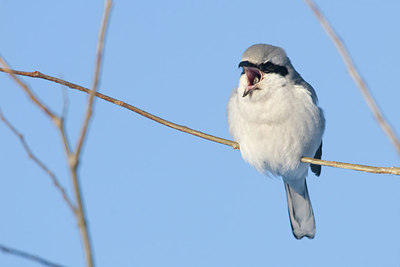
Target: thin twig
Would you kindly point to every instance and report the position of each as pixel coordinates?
(32, 156)
(74, 158)
(28, 256)
(354, 73)
(99, 55)
(56, 120)
(37, 74)
(235, 145)
(28, 91)
(356, 167)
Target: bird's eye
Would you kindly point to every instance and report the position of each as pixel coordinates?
(256, 79)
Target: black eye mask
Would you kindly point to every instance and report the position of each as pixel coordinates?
(267, 67)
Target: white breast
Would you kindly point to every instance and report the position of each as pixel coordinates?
(276, 126)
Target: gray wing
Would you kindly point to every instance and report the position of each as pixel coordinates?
(300, 81)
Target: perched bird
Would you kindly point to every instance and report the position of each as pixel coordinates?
(275, 118)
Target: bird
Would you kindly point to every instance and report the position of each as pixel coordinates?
(274, 116)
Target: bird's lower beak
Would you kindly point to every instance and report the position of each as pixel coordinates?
(254, 77)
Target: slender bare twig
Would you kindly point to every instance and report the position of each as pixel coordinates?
(235, 145)
(99, 54)
(28, 91)
(74, 158)
(56, 120)
(356, 167)
(28, 256)
(37, 74)
(47, 112)
(32, 156)
(354, 73)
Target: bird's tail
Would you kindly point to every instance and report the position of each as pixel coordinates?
(300, 212)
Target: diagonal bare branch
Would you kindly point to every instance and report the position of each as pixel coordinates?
(37, 74)
(73, 158)
(27, 90)
(354, 73)
(234, 145)
(28, 256)
(56, 120)
(32, 156)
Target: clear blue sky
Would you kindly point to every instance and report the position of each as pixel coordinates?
(158, 197)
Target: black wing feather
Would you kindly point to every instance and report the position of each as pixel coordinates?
(317, 168)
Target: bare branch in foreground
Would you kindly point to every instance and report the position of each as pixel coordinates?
(28, 91)
(28, 256)
(74, 158)
(351, 68)
(32, 156)
(56, 120)
(99, 55)
(37, 74)
(235, 145)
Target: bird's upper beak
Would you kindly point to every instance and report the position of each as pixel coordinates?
(254, 76)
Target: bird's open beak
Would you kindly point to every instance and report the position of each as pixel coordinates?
(254, 77)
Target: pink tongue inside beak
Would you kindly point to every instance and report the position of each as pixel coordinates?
(254, 76)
